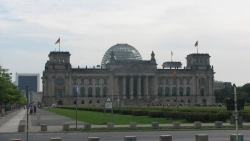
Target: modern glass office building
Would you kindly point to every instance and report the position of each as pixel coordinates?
(28, 79)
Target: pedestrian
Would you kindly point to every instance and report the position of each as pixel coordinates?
(31, 110)
(35, 110)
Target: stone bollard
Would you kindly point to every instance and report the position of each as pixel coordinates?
(55, 139)
(197, 124)
(93, 138)
(132, 125)
(43, 127)
(176, 125)
(130, 138)
(3, 112)
(232, 120)
(38, 119)
(218, 124)
(21, 126)
(165, 138)
(66, 127)
(87, 126)
(110, 125)
(201, 137)
(15, 140)
(155, 125)
(233, 137)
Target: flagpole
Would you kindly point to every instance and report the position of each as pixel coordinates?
(171, 56)
(59, 46)
(197, 48)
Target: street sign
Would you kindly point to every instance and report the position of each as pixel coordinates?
(108, 103)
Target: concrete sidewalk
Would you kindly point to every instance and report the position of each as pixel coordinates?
(55, 122)
(9, 123)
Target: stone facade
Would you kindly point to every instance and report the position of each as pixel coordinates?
(127, 81)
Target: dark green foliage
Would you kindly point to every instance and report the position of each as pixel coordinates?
(138, 112)
(126, 112)
(156, 114)
(190, 114)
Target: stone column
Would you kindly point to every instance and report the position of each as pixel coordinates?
(131, 87)
(170, 87)
(197, 89)
(124, 87)
(163, 90)
(117, 88)
(101, 89)
(155, 86)
(45, 86)
(177, 87)
(93, 84)
(146, 87)
(139, 87)
(53, 86)
(184, 87)
(86, 87)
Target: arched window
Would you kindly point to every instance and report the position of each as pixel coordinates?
(181, 91)
(59, 81)
(202, 92)
(187, 91)
(166, 91)
(97, 92)
(89, 92)
(82, 91)
(174, 91)
(105, 92)
(159, 91)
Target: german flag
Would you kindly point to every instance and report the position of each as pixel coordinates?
(58, 41)
(174, 74)
(196, 44)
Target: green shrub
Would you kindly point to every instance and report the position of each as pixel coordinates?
(126, 112)
(139, 112)
(156, 114)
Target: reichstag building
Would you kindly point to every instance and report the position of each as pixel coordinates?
(128, 80)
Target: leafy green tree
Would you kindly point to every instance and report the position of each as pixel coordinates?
(9, 93)
(246, 88)
(222, 94)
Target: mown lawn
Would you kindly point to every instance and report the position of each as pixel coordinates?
(98, 117)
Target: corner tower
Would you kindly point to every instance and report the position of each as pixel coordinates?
(58, 60)
(198, 61)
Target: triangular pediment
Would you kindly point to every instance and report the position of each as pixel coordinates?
(135, 68)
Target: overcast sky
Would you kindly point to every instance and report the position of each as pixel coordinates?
(30, 28)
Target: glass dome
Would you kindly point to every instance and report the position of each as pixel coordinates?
(121, 52)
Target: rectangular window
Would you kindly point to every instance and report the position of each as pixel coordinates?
(180, 81)
(167, 81)
(159, 81)
(59, 92)
(97, 82)
(174, 81)
(188, 81)
(90, 81)
(82, 81)
(105, 81)
(74, 81)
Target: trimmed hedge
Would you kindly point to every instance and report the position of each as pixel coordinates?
(189, 114)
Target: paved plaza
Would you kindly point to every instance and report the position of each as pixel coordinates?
(9, 123)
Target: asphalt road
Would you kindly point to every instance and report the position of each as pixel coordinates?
(213, 135)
